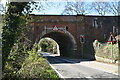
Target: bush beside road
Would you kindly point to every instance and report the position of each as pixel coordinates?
(103, 52)
(33, 66)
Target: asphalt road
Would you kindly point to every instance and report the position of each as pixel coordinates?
(76, 70)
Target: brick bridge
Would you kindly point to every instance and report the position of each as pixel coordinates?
(70, 28)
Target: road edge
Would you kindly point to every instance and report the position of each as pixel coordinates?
(55, 70)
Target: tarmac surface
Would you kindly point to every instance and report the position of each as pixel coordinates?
(76, 68)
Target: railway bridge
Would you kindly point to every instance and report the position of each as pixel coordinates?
(74, 34)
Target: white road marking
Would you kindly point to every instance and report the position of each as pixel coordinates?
(55, 70)
(61, 76)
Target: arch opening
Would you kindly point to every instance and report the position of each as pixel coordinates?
(66, 42)
(49, 45)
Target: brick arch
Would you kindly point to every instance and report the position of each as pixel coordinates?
(65, 40)
(76, 25)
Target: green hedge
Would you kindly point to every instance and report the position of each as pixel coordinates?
(104, 50)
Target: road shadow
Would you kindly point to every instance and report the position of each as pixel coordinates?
(62, 60)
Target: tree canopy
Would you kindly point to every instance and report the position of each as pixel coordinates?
(13, 21)
(83, 8)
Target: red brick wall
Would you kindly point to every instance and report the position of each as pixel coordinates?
(78, 25)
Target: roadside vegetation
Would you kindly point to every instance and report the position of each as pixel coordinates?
(48, 45)
(104, 49)
(28, 66)
(0, 36)
(19, 54)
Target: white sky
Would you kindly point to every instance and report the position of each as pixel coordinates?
(62, 0)
(57, 9)
(3, 1)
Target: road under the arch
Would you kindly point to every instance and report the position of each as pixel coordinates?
(65, 42)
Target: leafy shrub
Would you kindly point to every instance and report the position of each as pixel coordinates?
(104, 50)
(36, 67)
(28, 67)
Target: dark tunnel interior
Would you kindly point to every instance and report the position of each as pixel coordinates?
(66, 45)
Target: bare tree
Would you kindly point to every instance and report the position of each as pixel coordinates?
(113, 8)
(76, 8)
(104, 8)
(3, 8)
(100, 7)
